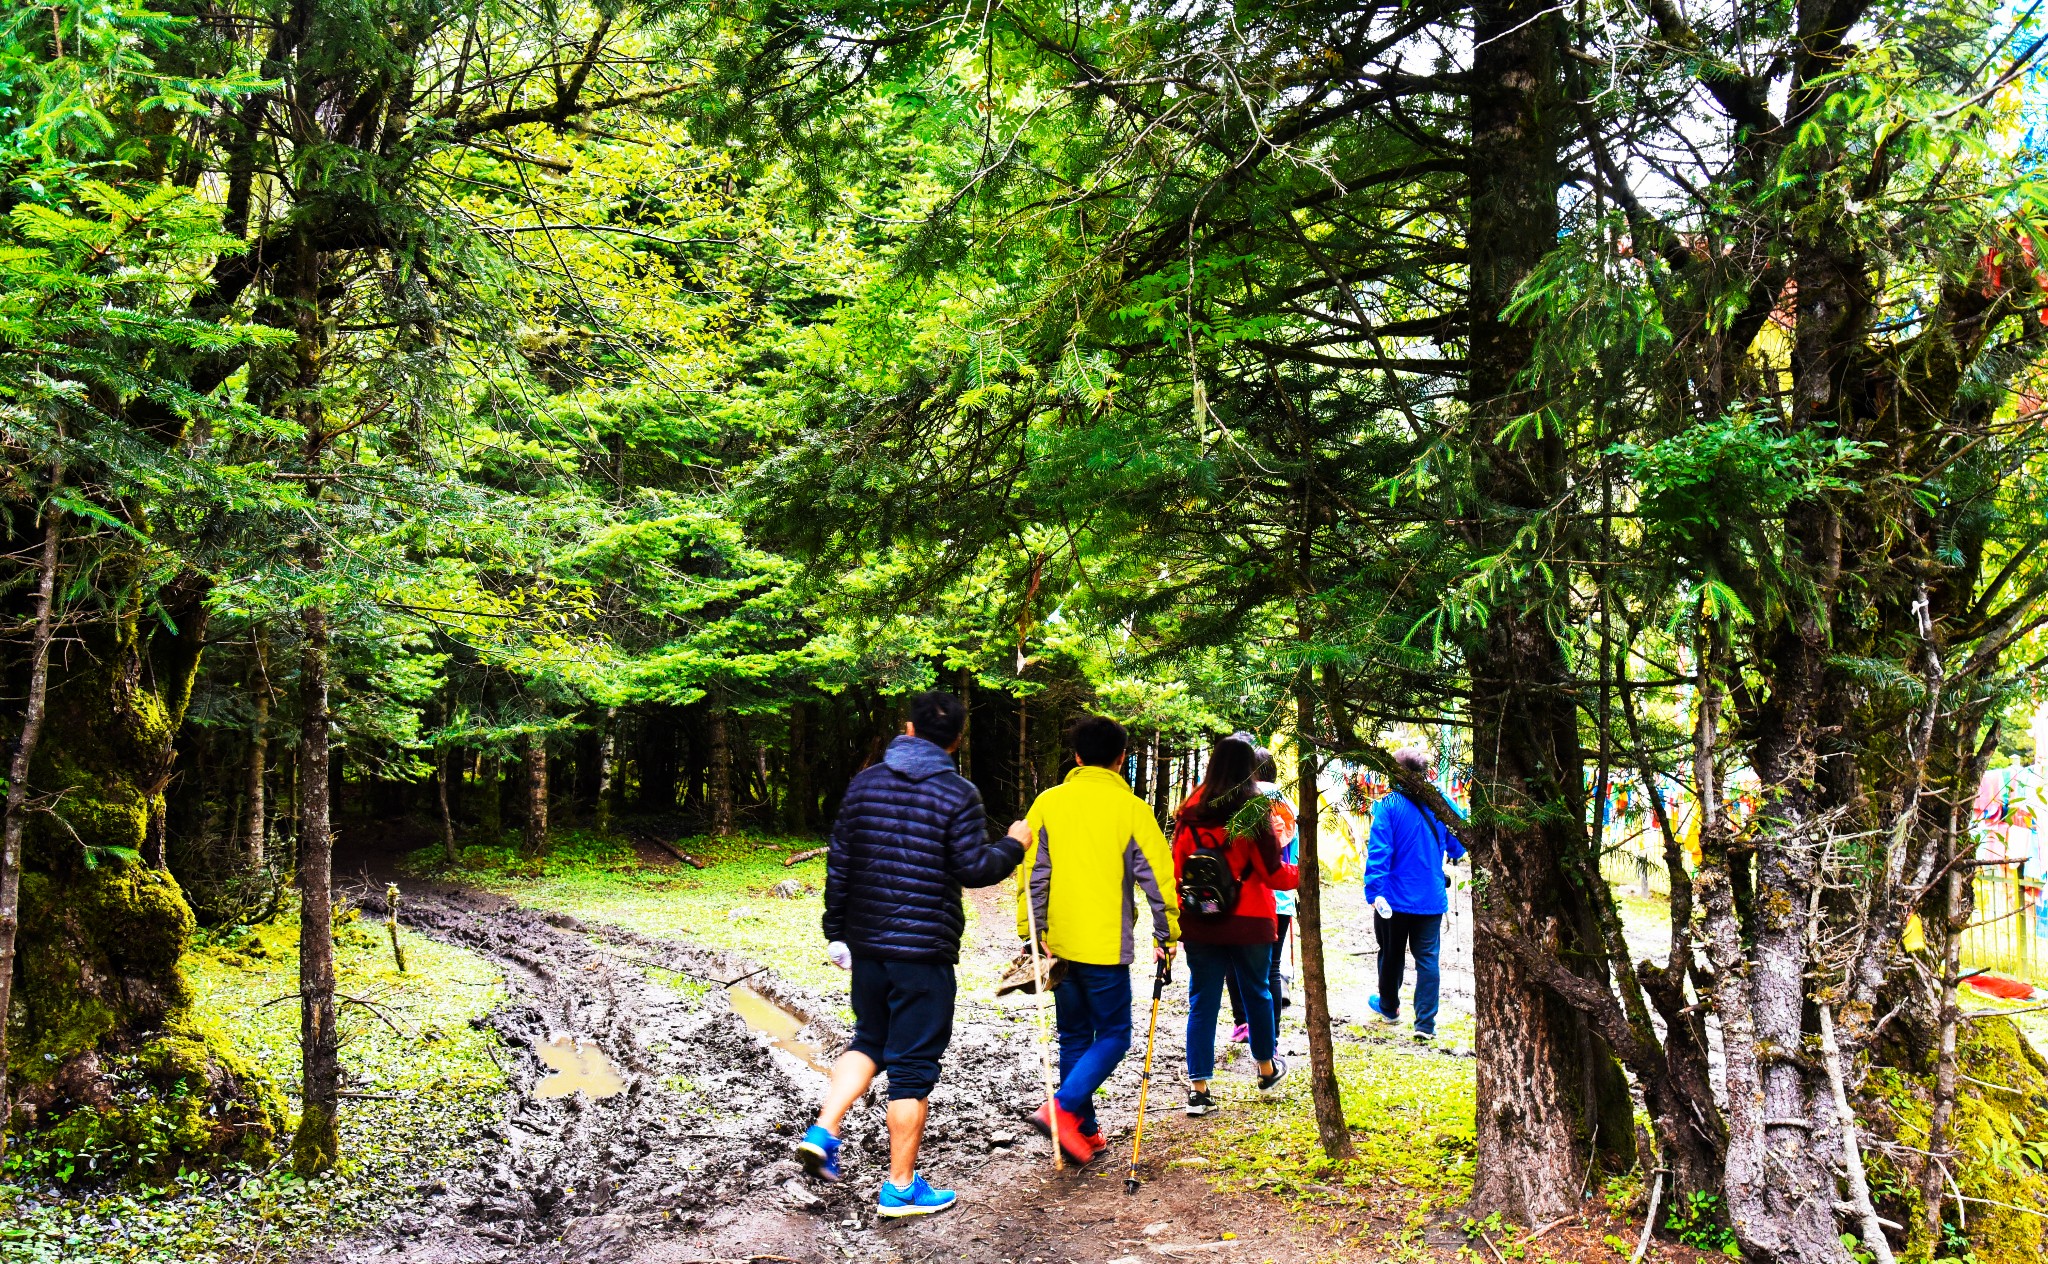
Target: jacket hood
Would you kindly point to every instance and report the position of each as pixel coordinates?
(917, 759)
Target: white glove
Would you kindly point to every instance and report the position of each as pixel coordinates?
(839, 955)
(1380, 906)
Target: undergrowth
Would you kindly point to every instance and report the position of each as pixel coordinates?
(417, 1046)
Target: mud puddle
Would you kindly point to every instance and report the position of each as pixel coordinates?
(577, 1067)
(780, 1025)
(679, 1146)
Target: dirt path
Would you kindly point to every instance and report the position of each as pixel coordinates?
(692, 1160)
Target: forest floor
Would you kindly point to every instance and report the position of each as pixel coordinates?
(708, 997)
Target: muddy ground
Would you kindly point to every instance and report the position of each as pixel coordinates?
(692, 1161)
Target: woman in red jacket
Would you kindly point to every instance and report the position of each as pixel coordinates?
(1227, 878)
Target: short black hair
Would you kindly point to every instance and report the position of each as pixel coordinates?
(1268, 770)
(938, 716)
(1097, 740)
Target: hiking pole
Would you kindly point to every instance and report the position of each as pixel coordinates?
(1052, 1118)
(1145, 1077)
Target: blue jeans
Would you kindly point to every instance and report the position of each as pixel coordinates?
(1093, 1008)
(1208, 966)
(1400, 935)
(1276, 982)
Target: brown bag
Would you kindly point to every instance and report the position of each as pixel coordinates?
(1019, 977)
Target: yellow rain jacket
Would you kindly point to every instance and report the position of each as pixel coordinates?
(1093, 845)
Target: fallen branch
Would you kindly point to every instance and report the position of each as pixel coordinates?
(1547, 1228)
(802, 856)
(677, 852)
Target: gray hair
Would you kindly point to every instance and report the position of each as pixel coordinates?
(1416, 759)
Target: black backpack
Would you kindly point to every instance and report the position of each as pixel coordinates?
(1208, 888)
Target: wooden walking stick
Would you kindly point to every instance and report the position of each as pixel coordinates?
(1145, 1077)
(1044, 1033)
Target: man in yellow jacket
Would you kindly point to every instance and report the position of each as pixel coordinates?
(1093, 848)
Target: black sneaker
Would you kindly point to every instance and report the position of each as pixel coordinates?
(1279, 1073)
(1200, 1103)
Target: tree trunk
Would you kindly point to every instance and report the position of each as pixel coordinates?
(607, 769)
(317, 1142)
(1162, 764)
(720, 787)
(255, 841)
(536, 837)
(444, 756)
(490, 801)
(801, 796)
(17, 783)
(1542, 1079)
(1322, 1057)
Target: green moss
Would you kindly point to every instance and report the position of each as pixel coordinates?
(183, 1101)
(100, 954)
(1999, 1130)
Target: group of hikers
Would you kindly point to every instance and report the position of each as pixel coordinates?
(1094, 870)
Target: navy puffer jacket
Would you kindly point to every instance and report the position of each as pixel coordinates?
(910, 835)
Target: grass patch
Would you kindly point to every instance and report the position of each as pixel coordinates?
(605, 879)
(438, 1067)
(1411, 1120)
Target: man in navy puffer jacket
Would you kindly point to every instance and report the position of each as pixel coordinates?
(910, 835)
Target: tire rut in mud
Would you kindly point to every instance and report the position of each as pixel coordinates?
(693, 1157)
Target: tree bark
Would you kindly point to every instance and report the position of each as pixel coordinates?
(1162, 763)
(1543, 1079)
(317, 1143)
(721, 766)
(444, 756)
(255, 843)
(607, 768)
(490, 800)
(536, 836)
(801, 795)
(1322, 1057)
(17, 781)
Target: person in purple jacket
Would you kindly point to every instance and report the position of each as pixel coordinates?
(1404, 883)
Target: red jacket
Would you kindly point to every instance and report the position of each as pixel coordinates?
(1261, 871)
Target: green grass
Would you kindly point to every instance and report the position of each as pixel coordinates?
(727, 905)
(1410, 1115)
(439, 1067)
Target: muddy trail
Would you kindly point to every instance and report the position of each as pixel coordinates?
(647, 1121)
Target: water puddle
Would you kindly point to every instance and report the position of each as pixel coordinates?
(765, 1015)
(577, 1067)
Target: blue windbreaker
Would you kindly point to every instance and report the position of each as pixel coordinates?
(1404, 856)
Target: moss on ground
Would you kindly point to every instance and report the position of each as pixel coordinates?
(440, 1071)
(1410, 1113)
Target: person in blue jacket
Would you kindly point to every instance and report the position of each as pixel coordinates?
(1404, 883)
(909, 836)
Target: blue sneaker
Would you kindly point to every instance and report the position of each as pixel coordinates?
(919, 1200)
(819, 1153)
(1373, 1003)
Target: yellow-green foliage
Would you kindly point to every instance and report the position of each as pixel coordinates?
(1999, 1129)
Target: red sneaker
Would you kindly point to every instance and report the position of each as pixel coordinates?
(1097, 1140)
(1077, 1147)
